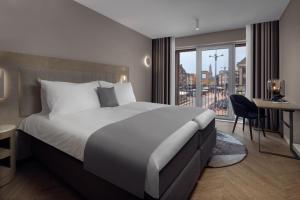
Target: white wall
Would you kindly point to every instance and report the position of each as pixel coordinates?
(249, 78)
(211, 38)
(289, 26)
(66, 29)
(172, 71)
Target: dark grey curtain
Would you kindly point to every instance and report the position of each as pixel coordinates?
(266, 64)
(161, 49)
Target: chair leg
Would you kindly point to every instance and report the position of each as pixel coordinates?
(250, 127)
(243, 123)
(262, 127)
(236, 119)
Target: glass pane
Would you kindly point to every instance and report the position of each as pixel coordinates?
(240, 70)
(214, 80)
(187, 78)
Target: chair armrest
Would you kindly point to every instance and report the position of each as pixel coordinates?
(252, 106)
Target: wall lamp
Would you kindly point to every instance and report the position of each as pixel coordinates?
(147, 61)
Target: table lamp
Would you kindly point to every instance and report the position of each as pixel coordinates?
(276, 89)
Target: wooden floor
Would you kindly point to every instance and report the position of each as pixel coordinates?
(258, 177)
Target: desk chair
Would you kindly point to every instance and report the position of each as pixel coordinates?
(246, 109)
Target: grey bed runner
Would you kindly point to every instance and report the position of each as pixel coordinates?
(119, 152)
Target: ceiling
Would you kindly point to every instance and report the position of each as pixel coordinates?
(162, 18)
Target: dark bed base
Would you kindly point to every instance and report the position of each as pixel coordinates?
(92, 187)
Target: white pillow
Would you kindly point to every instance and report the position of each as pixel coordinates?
(124, 91)
(45, 107)
(66, 98)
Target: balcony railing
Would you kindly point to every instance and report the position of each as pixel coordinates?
(187, 96)
(214, 98)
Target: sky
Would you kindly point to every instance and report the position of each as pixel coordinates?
(188, 59)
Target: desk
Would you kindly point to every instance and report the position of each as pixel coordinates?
(283, 106)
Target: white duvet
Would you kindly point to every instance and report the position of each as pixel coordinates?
(69, 133)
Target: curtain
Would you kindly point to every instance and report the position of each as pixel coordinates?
(161, 67)
(265, 60)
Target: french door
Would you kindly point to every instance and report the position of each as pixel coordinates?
(215, 79)
(207, 76)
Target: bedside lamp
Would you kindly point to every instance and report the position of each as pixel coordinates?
(123, 79)
(276, 88)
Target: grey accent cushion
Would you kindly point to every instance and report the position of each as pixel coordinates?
(107, 97)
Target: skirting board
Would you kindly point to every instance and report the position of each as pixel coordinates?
(297, 149)
(295, 146)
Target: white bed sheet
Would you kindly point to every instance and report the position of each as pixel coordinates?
(69, 133)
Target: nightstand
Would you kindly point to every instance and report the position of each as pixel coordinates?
(7, 153)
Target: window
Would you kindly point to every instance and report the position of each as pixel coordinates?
(240, 69)
(207, 76)
(186, 77)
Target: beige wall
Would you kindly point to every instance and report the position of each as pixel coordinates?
(65, 29)
(211, 38)
(290, 58)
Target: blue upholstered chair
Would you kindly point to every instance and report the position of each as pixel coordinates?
(246, 109)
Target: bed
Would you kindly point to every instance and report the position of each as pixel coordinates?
(66, 136)
(173, 168)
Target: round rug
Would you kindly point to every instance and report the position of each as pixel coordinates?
(228, 151)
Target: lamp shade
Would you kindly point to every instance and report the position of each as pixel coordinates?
(276, 87)
(123, 79)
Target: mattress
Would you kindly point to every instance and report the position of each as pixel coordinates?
(69, 133)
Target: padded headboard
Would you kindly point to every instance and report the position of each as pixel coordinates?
(32, 68)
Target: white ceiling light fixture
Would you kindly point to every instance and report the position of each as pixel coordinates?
(197, 25)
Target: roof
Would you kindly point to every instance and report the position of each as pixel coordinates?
(242, 62)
